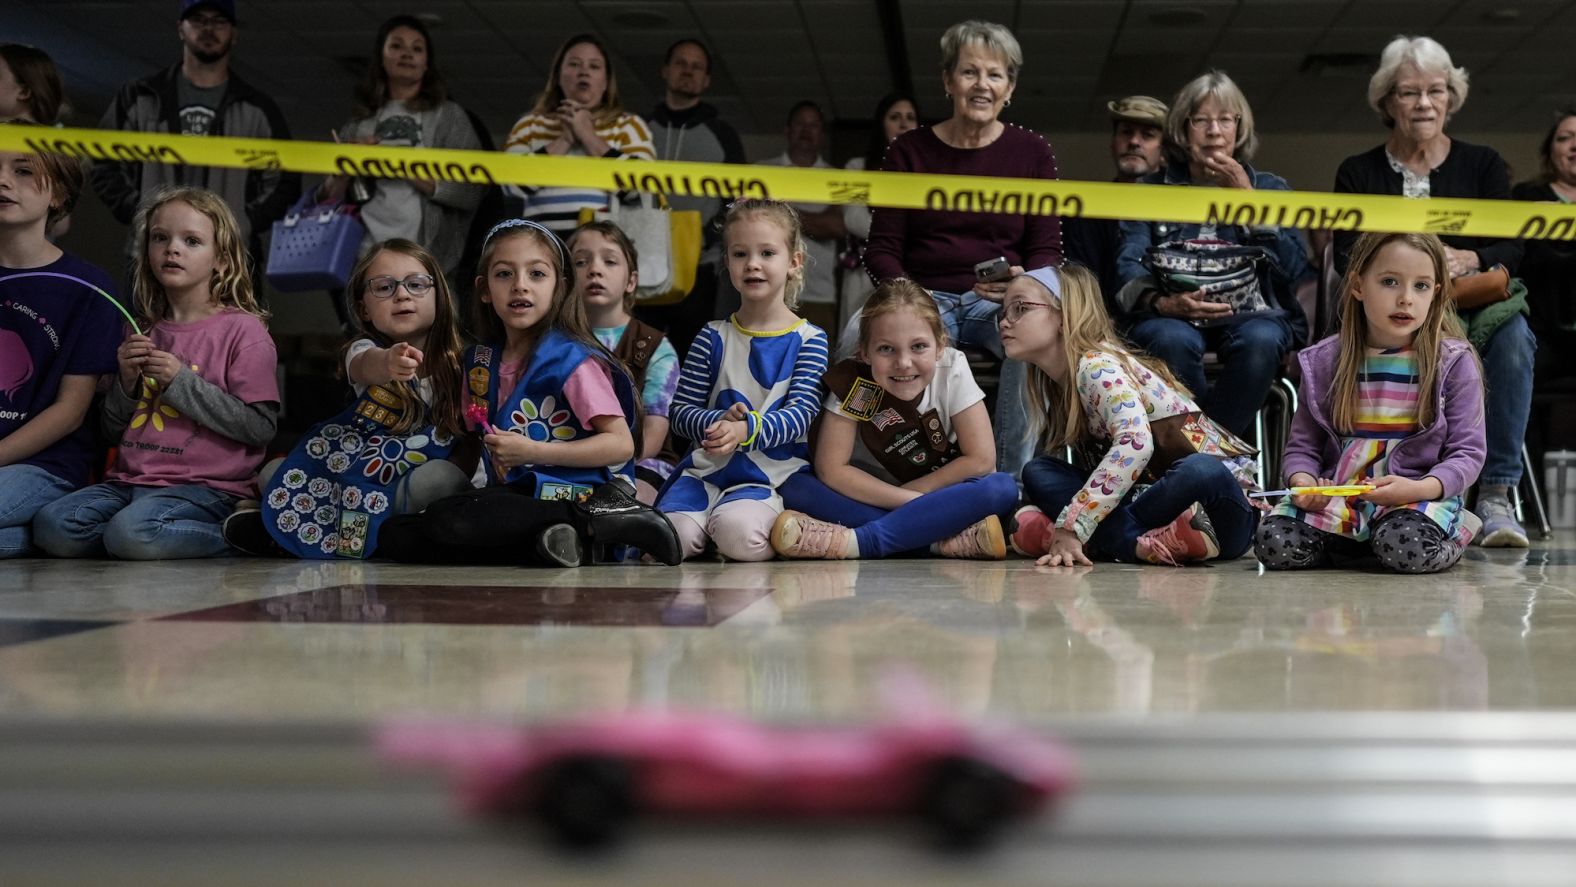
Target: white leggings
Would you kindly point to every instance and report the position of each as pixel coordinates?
(742, 530)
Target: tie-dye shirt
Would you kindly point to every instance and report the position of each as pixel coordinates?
(1387, 399)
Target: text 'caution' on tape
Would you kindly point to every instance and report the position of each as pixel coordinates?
(1040, 197)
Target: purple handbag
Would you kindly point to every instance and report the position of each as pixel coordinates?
(314, 246)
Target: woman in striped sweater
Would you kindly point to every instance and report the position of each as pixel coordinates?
(577, 115)
(1394, 400)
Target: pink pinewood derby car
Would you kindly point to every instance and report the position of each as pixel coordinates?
(586, 777)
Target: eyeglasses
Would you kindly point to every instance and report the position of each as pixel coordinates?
(1225, 121)
(1437, 95)
(209, 22)
(417, 285)
(1014, 312)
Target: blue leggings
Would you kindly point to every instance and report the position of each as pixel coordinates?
(909, 527)
(1051, 484)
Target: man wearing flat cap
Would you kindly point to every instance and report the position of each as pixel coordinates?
(1137, 125)
(200, 95)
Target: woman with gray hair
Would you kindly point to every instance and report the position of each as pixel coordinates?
(1415, 92)
(1209, 140)
(951, 250)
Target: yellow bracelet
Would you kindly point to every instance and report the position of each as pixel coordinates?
(755, 432)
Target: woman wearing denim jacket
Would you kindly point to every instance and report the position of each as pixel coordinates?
(1209, 139)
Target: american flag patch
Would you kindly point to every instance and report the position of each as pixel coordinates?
(885, 418)
(862, 399)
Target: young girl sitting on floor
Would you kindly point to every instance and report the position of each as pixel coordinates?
(748, 392)
(1087, 388)
(1395, 399)
(558, 421)
(390, 452)
(904, 456)
(604, 261)
(57, 337)
(195, 402)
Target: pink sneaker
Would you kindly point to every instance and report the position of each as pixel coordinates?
(795, 534)
(1191, 537)
(1032, 538)
(979, 541)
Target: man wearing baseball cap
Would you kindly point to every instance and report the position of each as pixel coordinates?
(1137, 125)
(200, 95)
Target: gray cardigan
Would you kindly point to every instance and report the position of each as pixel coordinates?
(446, 215)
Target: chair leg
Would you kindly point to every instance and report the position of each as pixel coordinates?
(1531, 481)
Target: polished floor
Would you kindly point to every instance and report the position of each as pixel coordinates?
(1232, 726)
(259, 639)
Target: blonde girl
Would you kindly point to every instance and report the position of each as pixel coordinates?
(903, 452)
(1090, 391)
(748, 392)
(1395, 400)
(195, 401)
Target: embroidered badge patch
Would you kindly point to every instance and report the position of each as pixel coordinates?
(567, 492)
(863, 399)
(886, 418)
(352, 534)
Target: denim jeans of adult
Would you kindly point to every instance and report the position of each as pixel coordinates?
(1051, 484)
(135, 523)
(24, 489)
(971, 320)
(1250, 353)
(1507, 374)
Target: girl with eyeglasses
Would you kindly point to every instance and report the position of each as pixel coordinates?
(399, 447)
(1168, 486)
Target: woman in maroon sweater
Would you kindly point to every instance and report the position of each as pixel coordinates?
(939, 248)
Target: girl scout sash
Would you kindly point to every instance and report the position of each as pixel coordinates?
(338, 485)
(906, 442)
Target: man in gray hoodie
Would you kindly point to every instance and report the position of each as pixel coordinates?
(685, 128)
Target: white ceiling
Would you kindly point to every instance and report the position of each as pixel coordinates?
(771, 53)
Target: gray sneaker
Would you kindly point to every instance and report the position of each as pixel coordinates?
(1500, 528)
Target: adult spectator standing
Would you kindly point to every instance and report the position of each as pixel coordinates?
(577, 114)
(1138, 125)
(823, 224)
(1415, 92)
(1549, 266)
(200, 96)
(402, 101)
(685, 128)
(940, 249)
(1210, 138)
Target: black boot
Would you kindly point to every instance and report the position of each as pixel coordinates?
(559, 544)
(612, 515)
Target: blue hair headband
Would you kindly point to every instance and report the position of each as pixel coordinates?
(507, 224)
(1048, 278)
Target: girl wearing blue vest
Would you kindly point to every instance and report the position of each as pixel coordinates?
(399, 447)
(558, 419)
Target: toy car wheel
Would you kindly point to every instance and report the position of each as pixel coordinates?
(586, 801)
(966, 801)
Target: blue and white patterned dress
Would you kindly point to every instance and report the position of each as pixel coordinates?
(776, 375)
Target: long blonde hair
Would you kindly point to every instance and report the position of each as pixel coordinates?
(231, 284)
(1441, 323)
(1055, 407)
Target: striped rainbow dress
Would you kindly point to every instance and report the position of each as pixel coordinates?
(1387, 397)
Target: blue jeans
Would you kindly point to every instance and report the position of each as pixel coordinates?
(1507, 373)
(910, 527)
(1051, 484)
(971, 320)
(24, 489)
(1250, 353)
(135, 523)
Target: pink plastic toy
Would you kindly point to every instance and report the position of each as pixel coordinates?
(586, 777)
(478, 417)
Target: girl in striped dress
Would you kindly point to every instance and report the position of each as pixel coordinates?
(748, 392)
(1394, 400)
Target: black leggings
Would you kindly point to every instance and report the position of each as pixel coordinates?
(494, 525)
(1404, 540)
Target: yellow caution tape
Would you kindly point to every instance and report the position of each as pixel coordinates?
(1059, 197)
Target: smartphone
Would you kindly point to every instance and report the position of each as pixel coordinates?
(993, 270)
